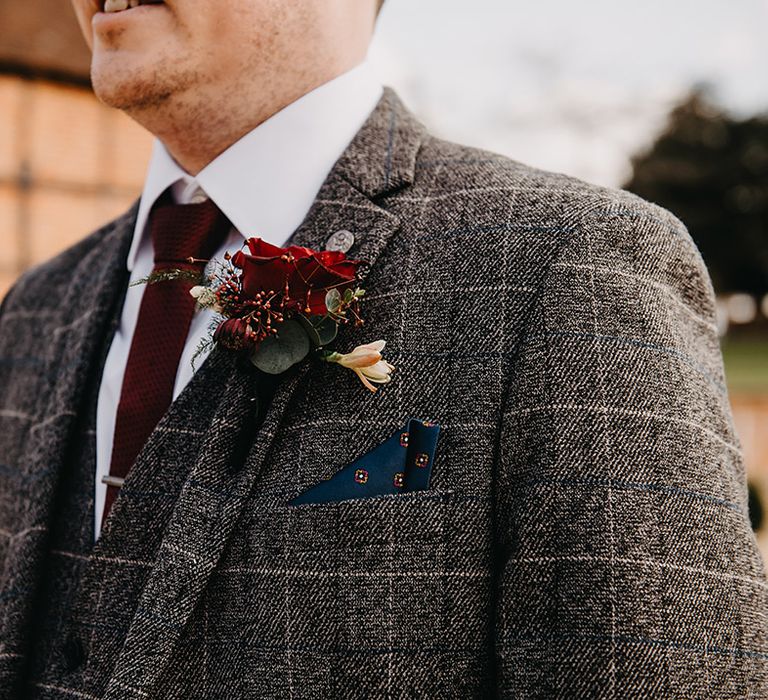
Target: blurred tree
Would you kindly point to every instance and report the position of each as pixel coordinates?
(711, 170)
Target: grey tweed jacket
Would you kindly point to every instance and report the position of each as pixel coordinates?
(585, 533)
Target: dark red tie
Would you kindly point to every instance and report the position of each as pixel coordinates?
(184, 237)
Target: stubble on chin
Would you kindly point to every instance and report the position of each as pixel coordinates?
(136, 92)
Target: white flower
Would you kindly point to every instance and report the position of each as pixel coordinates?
(367, 363)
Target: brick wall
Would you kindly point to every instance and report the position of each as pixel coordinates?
(67, 165)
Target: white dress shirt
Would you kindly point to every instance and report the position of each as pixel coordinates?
(265, 183)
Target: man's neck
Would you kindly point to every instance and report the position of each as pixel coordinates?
(196, 129)
(267, 181)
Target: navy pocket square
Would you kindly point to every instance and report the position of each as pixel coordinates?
(401, 463)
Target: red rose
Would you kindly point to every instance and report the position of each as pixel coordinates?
(309, 274)
(267, 267)
(313, 276)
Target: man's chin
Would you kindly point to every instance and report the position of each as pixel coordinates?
(127, 89)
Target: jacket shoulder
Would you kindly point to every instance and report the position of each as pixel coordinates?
(445, 170)
(489, 202)
(489, 190)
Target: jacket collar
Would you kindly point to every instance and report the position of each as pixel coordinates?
(382, 157)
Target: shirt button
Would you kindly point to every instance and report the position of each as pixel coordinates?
(340, 241)
(198, 197)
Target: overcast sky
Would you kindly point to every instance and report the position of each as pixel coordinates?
(570, 85)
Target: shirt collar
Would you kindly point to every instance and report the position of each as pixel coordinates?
(266, 182)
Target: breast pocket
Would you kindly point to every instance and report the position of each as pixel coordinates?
(355, 572)
(400, 464)
(343, 584)
(392, 521)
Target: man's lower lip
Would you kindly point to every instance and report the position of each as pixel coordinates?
(104, 19)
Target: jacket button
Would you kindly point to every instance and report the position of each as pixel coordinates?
(73, 653)
(340, 241)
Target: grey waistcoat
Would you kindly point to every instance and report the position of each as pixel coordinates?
(57, 639)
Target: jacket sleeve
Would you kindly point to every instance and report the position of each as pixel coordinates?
(626, 563)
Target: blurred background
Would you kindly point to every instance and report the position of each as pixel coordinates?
(667, 99)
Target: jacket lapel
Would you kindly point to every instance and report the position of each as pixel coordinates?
(92, 293)
(381, 158)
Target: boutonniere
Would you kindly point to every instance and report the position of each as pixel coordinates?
(277, 305)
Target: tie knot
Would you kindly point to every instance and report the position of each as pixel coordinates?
(181, 232)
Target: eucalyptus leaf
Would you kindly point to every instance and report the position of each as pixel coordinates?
(321, 330)
(327, 330)
(308, 326)
(279, 352)
(333, 300)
